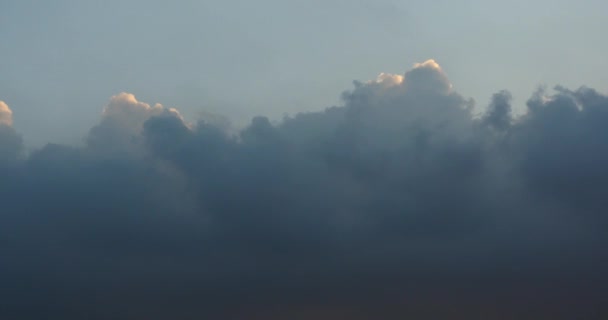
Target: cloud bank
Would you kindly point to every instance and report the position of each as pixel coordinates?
(398, 203)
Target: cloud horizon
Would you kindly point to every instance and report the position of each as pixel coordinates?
(400, 202)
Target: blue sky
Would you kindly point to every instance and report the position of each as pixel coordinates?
(61, 61)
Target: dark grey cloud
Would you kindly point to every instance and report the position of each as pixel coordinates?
(398, 203)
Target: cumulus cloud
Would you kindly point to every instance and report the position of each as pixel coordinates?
(6, 115)
(10, 141)
(427, 77)
(398, 203)
(122, 122)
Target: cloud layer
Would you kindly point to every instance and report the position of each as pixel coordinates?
(398, 203)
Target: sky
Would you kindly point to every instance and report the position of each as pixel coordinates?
(303, 160)
(62, 60)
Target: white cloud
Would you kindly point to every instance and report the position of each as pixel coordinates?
(427, 77)
(131, 113)
(428, 64)
(389, 79)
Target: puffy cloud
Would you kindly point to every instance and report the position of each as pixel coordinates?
(498, 114)
(427, 77)
(389, 79)
(6, 115)
(122, 122)
(563, 137)
(398, 203)
(10, 141)
(125, 108)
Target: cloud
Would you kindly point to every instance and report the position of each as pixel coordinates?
(397, 203)
(125, 108)
(6, 115)
(498, 115)
(562, 137)
(427, 77)
(122, 122)
(10, 142)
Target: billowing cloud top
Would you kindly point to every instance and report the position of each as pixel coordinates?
(10, 141)
(6, 115)
(397, 204)
(427, 76)
(125, 107)
(122, 123)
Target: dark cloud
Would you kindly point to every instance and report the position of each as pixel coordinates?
(399, 203)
